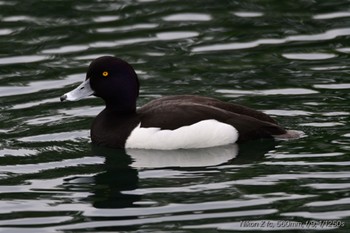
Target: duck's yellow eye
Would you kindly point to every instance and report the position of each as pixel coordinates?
(105, 73)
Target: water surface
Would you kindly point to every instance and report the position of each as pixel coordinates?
(289, 59)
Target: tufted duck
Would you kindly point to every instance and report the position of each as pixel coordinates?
(171, 122)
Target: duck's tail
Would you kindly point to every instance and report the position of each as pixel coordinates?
(290, 135)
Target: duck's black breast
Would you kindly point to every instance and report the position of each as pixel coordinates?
(112, 129)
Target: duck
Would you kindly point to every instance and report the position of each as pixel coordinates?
(169, 122)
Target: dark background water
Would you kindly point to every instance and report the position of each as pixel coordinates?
(289, 59)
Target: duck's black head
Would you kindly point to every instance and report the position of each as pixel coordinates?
(112, 79)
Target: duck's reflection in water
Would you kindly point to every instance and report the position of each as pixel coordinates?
(118, 176)
(121, 168)
(183, 157)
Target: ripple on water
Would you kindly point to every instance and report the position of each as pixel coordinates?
(327, 35)
(246, 14)
(37, 86)
(341, 201)
(34, 168)
(81, 111)
(44, 21)
(336, 86)
(328, 186)
(308, 56)
(6, 31)
(343, 50)
(161, 36)
(333, 15)
(3, 3)
(105, 18)
(304, 163)
(336, 114)
(133, 27)
(284, 91)
(188, 17)
(40, 121)
(329, 68)
(303, 155)
(99, 7)
(36, 221)
(288, 112)
(22, 59)
(17, 18)
(322, 124)
(92, 56)
(65, 49)
(116, 43)
(31, 104)
(17, 152)
(176, 35)
(56, 137)
(248, 202)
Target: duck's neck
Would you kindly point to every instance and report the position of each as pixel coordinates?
(123, 108)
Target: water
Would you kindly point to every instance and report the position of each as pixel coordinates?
(289, 59)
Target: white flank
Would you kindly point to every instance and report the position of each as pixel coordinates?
(203, 134)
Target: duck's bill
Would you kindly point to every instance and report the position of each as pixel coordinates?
(82, 91)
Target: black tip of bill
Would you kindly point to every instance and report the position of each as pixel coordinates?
(63, 98)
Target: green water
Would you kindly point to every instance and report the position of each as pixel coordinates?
(287, 58)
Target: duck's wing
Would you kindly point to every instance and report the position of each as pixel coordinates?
(175, 113)
(207, 101)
